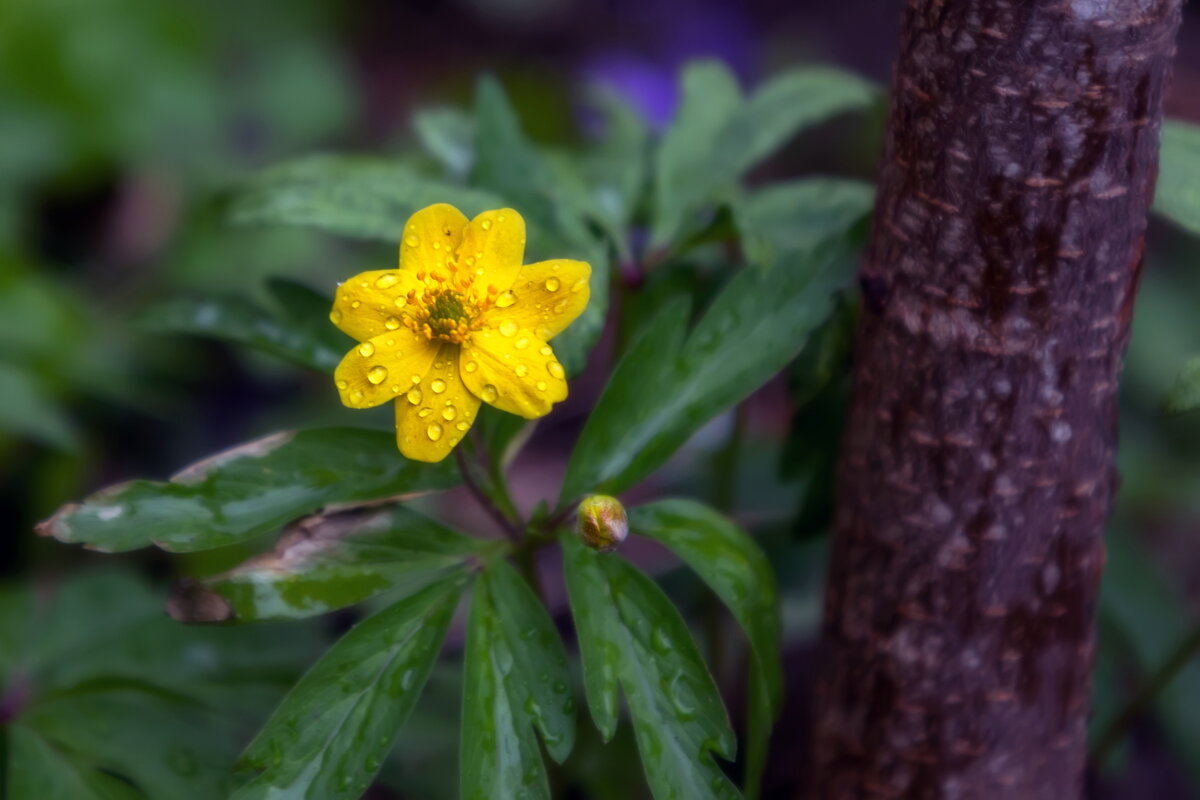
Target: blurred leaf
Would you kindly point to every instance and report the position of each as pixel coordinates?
(629, 631)
(331, 733)
(666, 388)
(256, 487)
(1184, 395)
(717, 137)
(516, 678)
(359, 196)
(29, 411)
(797, 215)
(733, 566)
(329, 561)
(448, 135)
(240, 321)
(1152, 617)
(39, 771)
(1178, 194)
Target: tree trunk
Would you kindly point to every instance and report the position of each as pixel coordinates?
(977, 466)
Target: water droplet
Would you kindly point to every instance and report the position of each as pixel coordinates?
(356, 304)
(342, 384)
(546, 351)
(395, 388)
(521, 343)
(371, 764)
(470, 366)
(555, 369)
(366, 349)
(521, 370)
(449, 413)
(336, 316)
(579, 285)
(414, 396)
(490, 394)
(411, 240)
(391, 323)
(424, 412)
(541, 386)
(387, 280)
(357, 396)
(377, 374)
(662, 642)
(560, 306)
(434, 431)
(400, 301)
(508, 327)
(553, 284)
(415, 378)
(487, 225)
(462, 426)
(505, 299)
(438, 385)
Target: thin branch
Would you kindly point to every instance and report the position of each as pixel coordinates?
(506, 524)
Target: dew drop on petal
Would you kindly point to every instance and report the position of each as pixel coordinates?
(335, 316)
(438, 385)
(489, 393)
(415, 378)
(449, 413)
(411, 240)
(555, 369)
(462, 426)
(366, 349)
(357, 396)
(434, 431)
(356, 304)
(395, 388)
(560, 306)
(414, 396)
(553, 284)
(505, 299)
(546, 351)
(579, 285)
(391, 323)
(377, 374)
(521, 343)
(521, 370)
(487, 225)
(342, 384)
(387, 280)
(470, 366)
(424, 412)
(508, 327)
(400, 301)
(541, 386)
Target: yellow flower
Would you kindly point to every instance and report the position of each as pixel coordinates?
(461, 321)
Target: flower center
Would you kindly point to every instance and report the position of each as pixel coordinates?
(448, 307)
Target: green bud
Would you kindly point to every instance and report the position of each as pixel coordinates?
(602, 524)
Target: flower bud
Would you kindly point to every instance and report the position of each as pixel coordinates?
(602, 523)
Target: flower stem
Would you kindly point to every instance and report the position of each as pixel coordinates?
(510, 528)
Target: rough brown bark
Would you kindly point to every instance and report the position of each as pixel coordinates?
(977, 467)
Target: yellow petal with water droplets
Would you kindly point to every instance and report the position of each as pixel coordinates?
(383, 368)
(546, 297)
(518, 374)
(372, 303)
(431, 237)
(492, 248)
(438, 412)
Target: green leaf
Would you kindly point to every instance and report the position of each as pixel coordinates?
(798, 215)
(330, 561)
(248, 490)
(629, 631)
(516, 678)
(331, 733)
(240, 321)
(359, 196)
(734, 566)
(1184, 394)
(663, 390)
(39, 771)
(717, 137)
(710, 98)
(1178, 194)
(448, 135)
(29, 410)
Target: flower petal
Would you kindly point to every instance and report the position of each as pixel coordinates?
(433, 417)
(383, 368)
(514, 370)
(431, 237)
(493, 246)
(546, 297)
(370, 303)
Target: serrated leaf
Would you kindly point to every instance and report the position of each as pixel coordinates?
(358, 196)
(329, 561)
(717, 137)
(332, 732)
(734, 567)
(1184, 394)
(447, 135)
(248, 490)
(240, 321)
(1177, 196)
(629, 632)
(662, 391)
(516, 679)
(798, 215)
